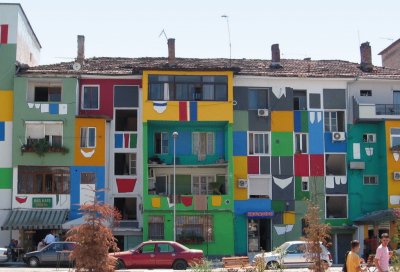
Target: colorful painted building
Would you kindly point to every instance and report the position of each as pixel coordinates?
(18, 45)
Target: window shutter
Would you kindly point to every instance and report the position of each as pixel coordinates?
(35, 131)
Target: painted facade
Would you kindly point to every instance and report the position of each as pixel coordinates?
(204, 161)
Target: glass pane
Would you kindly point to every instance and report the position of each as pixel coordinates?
(196, 142)
(126, 96)
(210, 143)
(266, 143)
(90, 98)
(221, 93)
(395, 131)
(56, 141)
(251, 143)
(157, 143)
(304, 143)
(83, 137)
(208, 92)
(55, 94)
(262, 99)
(297, 138)
(165, 143)
(156, 91)
(253, 104)
(92, 137)
(182, 92)
(191, 79)
(395, 141)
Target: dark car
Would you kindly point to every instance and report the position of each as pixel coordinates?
(55, 254)
(158, 254)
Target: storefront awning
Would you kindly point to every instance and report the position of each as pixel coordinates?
(376, 217)
(35, 219)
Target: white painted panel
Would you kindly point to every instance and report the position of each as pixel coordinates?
(356, 151)
(6, 147)
(5, 234)
(5, 196)
(9, 16)
(86, 193)
(24, 201)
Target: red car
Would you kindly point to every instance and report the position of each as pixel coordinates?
(158, 254)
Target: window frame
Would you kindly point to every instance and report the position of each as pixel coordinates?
(302, 135)
(207, 144)
(209, 192)
(347, 206)
(393, 136)
(258, 90)
(156, 220)
(87, 173)
(48, 93)
(337, 124)
(127, 163)
(161, 142)
(369, 177)
(192, 221)
(303, 180)
(50, 137)
(254, 142)
(366, 135)
(83, 96)
(254, 177)
(365, 93)
(87, 140)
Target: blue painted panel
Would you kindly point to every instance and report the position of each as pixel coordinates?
(53, 109)
(316, 132)
(118, 139)
(297, 121)
(193, 111)
(239, 143)
(252, 205)
(220, 143)
(334, 146)
(183, 144)
(2, 131)
(76, 182)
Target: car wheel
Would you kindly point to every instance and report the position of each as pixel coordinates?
(120, 264)
(33, 262)
(179, 265)
(273, 265)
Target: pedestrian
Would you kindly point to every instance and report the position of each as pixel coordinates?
(353, 261)
(50, 238)
(11, 250)
(41, 245)
(383, 254)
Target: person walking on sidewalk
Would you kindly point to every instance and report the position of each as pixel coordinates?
(383, 254)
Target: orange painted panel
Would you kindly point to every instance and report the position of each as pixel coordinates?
(282, 121)
(393, 163)
(90, 156)
(240, 172)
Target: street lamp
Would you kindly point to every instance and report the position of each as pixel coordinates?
(175, 135)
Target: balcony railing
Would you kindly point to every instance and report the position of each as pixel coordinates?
(367, 111)
(387, 109)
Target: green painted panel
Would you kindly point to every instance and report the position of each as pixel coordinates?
(240, 235)
(69, 86)
(6, 178)
(133, 140)
(299, 193)
(304, 121)
(240, 121)
(282, 143)
(278, 205)
(8, 53)
(183, 184)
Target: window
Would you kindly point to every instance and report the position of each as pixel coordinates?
(365, 92)
(299, 100)
(194, 228)
(47, 94)
(369, 138)
(127, 207)
(395, 137)
(165, 248)
(161, 143)
(90, 97)
(88, 137)
(147, 248)
(88, 178)
(334, 121)
(370, 180)
(260, 187)
(300, 143)
(188, 88)
(158, 185)
(305, 184)
(50, 131)
(258, 99)
(156, 227)
(126, 96)
(336, 206)
(335, 164)
(203, 144)
(125, 120)
(125, 164)
(258, 143)
(203, 185)
(43, 180)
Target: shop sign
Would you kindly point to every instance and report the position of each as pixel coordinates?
(42, 202)
(269, 214)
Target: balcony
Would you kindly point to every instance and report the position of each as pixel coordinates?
(370, 112)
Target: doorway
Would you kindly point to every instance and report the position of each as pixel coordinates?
(259, 235)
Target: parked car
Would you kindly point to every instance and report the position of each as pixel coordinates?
(56, 253)
(158, 254)
(3, 255)
(293, 255)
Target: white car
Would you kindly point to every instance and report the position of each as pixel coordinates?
(3, 255)
(293, 255)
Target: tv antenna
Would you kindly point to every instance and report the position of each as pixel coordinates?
(229, 36)
(165, 34)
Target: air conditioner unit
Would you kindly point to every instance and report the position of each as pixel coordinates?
(242, 183)
(338, 136)
(396, 175)
(262, 112)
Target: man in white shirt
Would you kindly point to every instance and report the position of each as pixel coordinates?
(50, 238)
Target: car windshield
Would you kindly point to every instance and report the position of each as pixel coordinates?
(282, 247)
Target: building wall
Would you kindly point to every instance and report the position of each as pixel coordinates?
(393, 165)
(391, 58)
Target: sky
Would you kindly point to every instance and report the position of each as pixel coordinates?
(128, 28)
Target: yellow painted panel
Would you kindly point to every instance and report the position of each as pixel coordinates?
(90, 156)
(392, 164)
(240, 172)
(207, 111)
(6, 106)
(282, 121)
(289, 218)
(156, 202)
(216, 201)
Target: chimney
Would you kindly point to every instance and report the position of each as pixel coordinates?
(81, 49)
(366, 59)
(276, 56)
(171, 51)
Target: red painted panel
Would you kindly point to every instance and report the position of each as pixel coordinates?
(126, 140)
(253, 165)
(4, 34)
(126, 185)
(187, 200)
(317, 165)
(106, 94)
(301, 165)
(183, 112)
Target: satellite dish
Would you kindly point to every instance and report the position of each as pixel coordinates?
(76, 66)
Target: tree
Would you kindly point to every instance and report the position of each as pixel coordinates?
(316, 232)
(94, 238)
